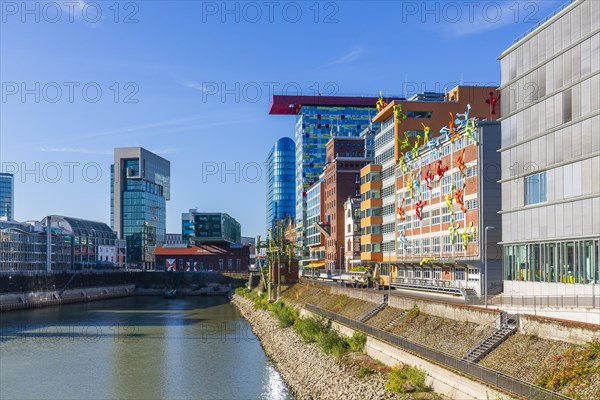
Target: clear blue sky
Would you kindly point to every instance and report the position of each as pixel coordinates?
(171, 57)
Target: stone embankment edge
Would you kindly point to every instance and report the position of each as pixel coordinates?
(442, 380)
(308, 372)
(22, 301)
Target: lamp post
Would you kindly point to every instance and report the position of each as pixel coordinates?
(485, 263)
(341, 262)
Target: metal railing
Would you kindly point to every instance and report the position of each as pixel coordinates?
(509, 384)
(543, 21)
(581, 301)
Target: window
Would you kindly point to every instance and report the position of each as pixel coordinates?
(418, 114)
(221, 263)
(535, 188)
(459, 274)
(229, 263)
(238, 263)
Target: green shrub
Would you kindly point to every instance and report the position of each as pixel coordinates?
(286, 315)
(332, 343)
(309, 328)
(357, 342)
(413, 312)
(363, 372)
(407, 379)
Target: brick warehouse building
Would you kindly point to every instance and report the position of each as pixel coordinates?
(219, 257)
(341, 177)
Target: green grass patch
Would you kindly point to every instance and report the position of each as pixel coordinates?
(364, 372)
(357, 342)
(286, 315)
(407, 379)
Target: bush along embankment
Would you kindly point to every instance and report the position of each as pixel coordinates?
(317, 362)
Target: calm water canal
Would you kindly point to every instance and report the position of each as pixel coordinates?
(135, 348)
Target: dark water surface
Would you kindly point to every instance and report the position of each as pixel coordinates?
(135, 348)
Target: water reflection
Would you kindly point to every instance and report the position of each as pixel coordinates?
(135, 348)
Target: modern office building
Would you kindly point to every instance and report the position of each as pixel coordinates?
(173, 238)
(140, 188)
(551, 156)
(315, 240)
(7, 196)
(402, 122)
(281, 181)
(317, 119)
(75, 244)
(446, 198)
(341, 180)
(211, 227)
(352, 232)
(94, 244)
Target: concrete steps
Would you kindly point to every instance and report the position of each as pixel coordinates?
(507, 327)
(393, 322)
(371, 313)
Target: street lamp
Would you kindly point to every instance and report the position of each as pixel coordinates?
(341, 262)
(485, 263)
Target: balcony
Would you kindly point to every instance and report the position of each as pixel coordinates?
(433, 285)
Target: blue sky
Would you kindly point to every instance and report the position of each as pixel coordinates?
(161, 65)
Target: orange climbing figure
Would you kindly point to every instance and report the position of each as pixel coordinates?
(459, 196)
(400, 210)
(452, 129)
(461, 164)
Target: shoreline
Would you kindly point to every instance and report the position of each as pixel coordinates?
(307, 371)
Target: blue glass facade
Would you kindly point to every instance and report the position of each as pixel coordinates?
(140, 189)
(7, 200)
(281, 181)
(314, 127)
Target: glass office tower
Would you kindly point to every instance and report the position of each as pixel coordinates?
(281, 181)
(7, 199)
(314, 127)
(140, 187)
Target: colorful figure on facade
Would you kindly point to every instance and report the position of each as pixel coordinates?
(470, 129)
(453, 231)
(468, 233)
(459, 196)
(419, 209)
(428, 177)
(407, 158)
(381, 104)
(461, 164)
(460, 123)
(401, 213)
(410, 185)
(446, 132)
(492, 102)
(433, 143)
(441, 170)
(415, 148)
(403, 239)
(426, 131)
(399, 114)
(417, 182)
(426, 260)
(403, 165)
(404, 143)
(454, 134)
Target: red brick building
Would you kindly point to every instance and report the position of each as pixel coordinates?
(204, 257)
(341, 179)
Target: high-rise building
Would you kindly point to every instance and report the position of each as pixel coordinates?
(7, 196)
(140, 188)
(281, 181)
(341, 179)
(211, 227)
(402, 121)
(551, 156)
(317, 119)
